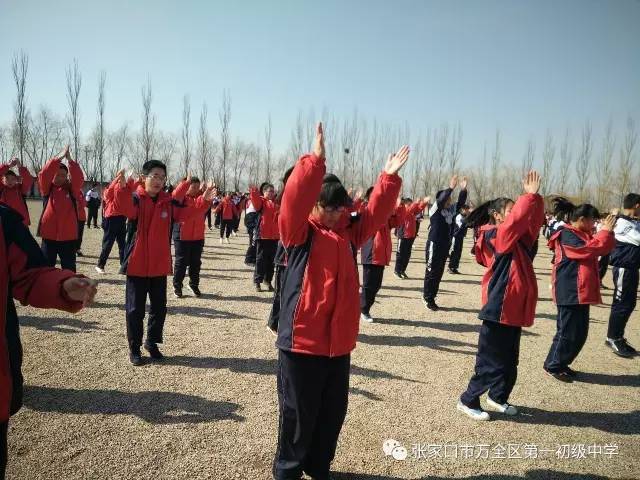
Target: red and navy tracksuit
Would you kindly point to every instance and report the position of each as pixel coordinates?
(81, 205)
(188, 239)
(227, 211)
(319, 318)
(58, 225)
(458, 232)
(407, 233)
(576, 285)
(251, 218)
(147, 259)
(25, 276)
(625, 260)
(114, 223)
(375, 255)
(16, 196)
(266, 236)
(280, 262)
(439, 240)
(509, 297)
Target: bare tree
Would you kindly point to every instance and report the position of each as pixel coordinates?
(480, 178)
(166, 146)
(627, 160)
(566, 157)
(118, 144)
(529, 157)
(604, 168)
(74, 83)
(240, 153)
(204, 161)
(440, 146)
(548, 155)
(19, 67)
(455, 148)
(268, 150)
(225, 119)
(496, 158)
(5, 149)
(147, 136)
(100, 134)
(186, 134)
(584, 160)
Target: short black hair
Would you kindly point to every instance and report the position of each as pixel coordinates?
(195, 180)
(10, 172)
(64, 167)
(565, 210)
(631, 200)
(333, 193)
(264, 186)
(151, 164)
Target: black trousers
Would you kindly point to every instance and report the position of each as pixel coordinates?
(496, 364)
(92, 215)
(4, 427)
(313, 394)
(188, 254)
(371, 283)
(274, 315)
(603, 264)
(250, 220)
(456, 253)
(572, 331)
(208, 215)
(625, 281)
(436, 256)
(137, 290)
(217, 220)
(236, 223)
(225, 228)
(66, 250)
(403, 254)
(80, 235)
(265, 257)
(115, 230)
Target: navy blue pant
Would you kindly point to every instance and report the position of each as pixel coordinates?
(80, 235)
(225, 228)
(208, 217)
(4, 426)
(92, 214)
(52, 249)
(436, 260)
(115, 230)
(571, 334)
(313, 393)
(625, 281)
(137, 290)
(456, 253)
(250, 221)
(496, 368)
(188, 254)
(371, 283)
(603, 264)
(274, 315)
(403, 254)
(265, 258)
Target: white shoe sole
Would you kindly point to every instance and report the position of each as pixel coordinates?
(496, 407)
(483, 417)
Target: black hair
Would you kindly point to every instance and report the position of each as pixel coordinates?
(407, 200)
(285, 177)
(332, 192)
(264, 186)
(151, 164)
(631, 200)
(483, 214)
(195, 180)
(367, 194)
(564, 210)
(10, 172)
(64, 167)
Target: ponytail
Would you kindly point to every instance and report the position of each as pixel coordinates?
(564, 210)
(483, 214)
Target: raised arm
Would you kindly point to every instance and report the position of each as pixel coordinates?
(45, 176)
(600, 244)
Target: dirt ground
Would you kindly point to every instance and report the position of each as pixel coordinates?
(209, 411)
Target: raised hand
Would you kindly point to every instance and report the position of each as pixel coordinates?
(463, 183)
(14, 162)
(64, 153)
(121, 179)
(396, 161)
(427, 200)
(80, 289)
(609, 223)
(211, 192)
(453, 182)
(531, 183)
(318, 146)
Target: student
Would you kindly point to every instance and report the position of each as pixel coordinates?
(227, 210)
(59, 185)
(92, 198)
(251, 218)
(458, 232)
(147, 260)
(26, 276)
(625, 260)
(575, 281)
(114, 224)
(319, 308)
(188, 237)
(407, 233)
(266, 235)
(375, 255)
(81, 205)
(238, 203)
(15, 188)
(439, 241)
(509, 295)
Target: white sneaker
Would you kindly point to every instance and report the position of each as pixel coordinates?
(221, 240)
(99, 270)
(228, 241)
(475, 413)
(366, 318)
(502, 408)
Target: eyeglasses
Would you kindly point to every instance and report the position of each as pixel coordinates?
(339, 209)
(159, 178)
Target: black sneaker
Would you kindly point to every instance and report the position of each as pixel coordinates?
(135, 357)
(398, 275)
(562, 376)
(269, 287)
(621, 348)
(195, 290)
(258, 287)
(571, 372)
(79, 253)
(154, 351)
(405, 276)
(177, 292)
(454, 271)
(431, 305)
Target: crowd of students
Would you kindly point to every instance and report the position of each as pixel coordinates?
(303, 246)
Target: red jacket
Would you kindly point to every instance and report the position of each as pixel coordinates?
(148, 249)
(59, 220)
(320, 309)
(268, 210)
(191, 228)
(108, 203)
(377, 250)
(575, 276)
(509, 286)
(81, 205)
(227, 208)
(408, 227)
(22, 273)
(15, 197)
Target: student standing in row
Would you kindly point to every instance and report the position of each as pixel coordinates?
(458, 232)
(407, 233)
(59, 185)
(227, 211)
(114, 224)
(508, 232)
(92, 198)
(15, 188)
(251, 218)
(625, 260)
(266, 235)
(319, 315)
(439, 241)
(81, 205)
(576, 283)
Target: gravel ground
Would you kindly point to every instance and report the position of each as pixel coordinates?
(210, 410)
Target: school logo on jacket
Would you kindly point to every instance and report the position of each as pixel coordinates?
(164, 214)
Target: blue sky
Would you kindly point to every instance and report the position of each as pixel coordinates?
(522, 66)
